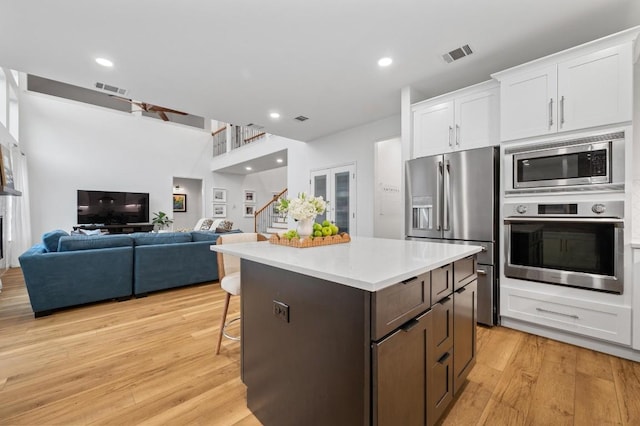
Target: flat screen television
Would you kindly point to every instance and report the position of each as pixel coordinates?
(112, 208)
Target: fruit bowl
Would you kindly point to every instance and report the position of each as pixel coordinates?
(339, 238)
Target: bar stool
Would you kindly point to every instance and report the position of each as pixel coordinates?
(229, 277)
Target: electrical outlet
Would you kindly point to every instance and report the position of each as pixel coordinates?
(281, 310)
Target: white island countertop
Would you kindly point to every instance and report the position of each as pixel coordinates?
(369, 264)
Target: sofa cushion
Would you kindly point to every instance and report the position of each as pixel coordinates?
(52, 238)
(207, 235)
(90, 242)
(152, 238)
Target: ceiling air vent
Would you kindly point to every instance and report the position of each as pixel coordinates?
(301, 118)
(255, 126)
(458, 53)
(111, 89)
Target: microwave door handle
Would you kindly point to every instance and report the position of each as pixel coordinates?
(438, 188)
(447, 195)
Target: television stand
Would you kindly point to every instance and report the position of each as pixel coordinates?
(118, 229)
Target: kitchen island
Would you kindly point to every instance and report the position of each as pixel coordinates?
(355, 333)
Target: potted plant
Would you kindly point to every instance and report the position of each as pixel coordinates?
(161, 221)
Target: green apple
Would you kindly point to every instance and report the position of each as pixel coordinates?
(317, 227)
(318, 232)
(326, 223)
(334, 229)
(326, 231)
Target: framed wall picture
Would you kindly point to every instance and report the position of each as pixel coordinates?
(249, 210)
(219, 210)
(249, 196)
(179, 202)
(219, 195)
(6, 168)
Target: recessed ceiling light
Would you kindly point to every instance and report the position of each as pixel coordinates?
(104, 62)
(248, 168)
(274, 115)
(279, 160)
(385, 62)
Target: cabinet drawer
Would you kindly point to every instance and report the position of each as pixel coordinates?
(442, 326)
(599, 320)
(441, 283)
(393, 306)
(464, 271)
(440, 386)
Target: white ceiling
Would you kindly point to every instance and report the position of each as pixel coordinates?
(236, 61)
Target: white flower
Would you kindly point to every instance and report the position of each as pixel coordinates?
(302, 207)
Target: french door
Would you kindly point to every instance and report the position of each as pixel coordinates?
(337, 185)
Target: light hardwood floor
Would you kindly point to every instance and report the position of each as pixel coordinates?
(150, 361)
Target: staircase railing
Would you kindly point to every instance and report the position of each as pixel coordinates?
(219, 141)
(266, 215)
(237, 136)
(246, 135)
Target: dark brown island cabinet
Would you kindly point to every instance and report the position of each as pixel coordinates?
(315, 352)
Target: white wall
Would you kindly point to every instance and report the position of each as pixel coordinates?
(388, 221)
(192, 188)
(355, 145)
(264, 183)
(73, 146)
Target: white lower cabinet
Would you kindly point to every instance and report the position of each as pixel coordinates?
(635, 275)
(598, 320)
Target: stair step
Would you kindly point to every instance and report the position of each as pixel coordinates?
(280, 225)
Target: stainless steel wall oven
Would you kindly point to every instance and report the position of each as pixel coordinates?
(578, 244)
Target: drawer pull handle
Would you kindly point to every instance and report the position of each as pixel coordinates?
(557, 313)
(409, 325)
(443, 301)
(408, 280)
(443, 358)
(461, 290)
(482, 272)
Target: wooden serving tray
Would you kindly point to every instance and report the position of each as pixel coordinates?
(340, 238)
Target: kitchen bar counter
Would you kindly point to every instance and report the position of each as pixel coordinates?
(370, 332)
(370, 264)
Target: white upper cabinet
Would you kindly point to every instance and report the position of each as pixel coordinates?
(476, 118)
(527, 101)
(583, 91)
(432, 129)
(465, 119)
(596, 89)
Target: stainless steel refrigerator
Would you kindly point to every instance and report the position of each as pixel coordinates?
(453, 198)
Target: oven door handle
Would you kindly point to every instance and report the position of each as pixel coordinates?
(565, 219)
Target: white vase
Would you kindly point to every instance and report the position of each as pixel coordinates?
(305, 227)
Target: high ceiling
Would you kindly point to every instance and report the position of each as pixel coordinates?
(237, 61)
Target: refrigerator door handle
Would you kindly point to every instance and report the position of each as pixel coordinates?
(447, 196)
(439, 178)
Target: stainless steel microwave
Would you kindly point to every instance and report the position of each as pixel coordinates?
(593, 163)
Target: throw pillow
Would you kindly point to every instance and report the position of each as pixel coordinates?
(225, 226)
(206, 225)
(51, 239)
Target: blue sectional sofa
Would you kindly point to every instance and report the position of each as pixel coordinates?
(64, 270)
